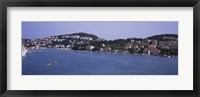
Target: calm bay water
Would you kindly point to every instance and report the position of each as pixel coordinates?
(61, 62)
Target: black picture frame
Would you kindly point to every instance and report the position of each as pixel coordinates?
(99, 3)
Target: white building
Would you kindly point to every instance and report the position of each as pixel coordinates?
(89, 47)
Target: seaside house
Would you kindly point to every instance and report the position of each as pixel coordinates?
(89, 47)
(146, 51)
(101, 49)
(59, 46)
(150, 51)
(37, 46)
(154, 52)
(103, 45)
(107, 49)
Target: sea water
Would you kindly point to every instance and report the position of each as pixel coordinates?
(69, 62)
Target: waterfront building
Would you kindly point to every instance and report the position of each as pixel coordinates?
(89, 47)
(107, 49)
(59, 46)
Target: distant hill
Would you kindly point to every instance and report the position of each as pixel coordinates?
(82, 34)
(164, 37)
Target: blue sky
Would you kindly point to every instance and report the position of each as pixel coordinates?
(107, 30)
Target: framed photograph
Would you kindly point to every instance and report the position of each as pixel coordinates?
(111, 48)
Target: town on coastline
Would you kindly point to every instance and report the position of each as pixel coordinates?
(157, 45)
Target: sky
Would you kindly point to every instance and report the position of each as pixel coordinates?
(107, 30)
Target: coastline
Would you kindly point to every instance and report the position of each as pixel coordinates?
(103, 52)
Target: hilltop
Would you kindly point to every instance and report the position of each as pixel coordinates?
(79, 34)
(82, 34)
(163, 37)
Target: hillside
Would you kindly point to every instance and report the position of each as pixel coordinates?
(164, 37)
(82, 34)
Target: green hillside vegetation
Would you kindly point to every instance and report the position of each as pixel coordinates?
(82, 34)
(160, 37)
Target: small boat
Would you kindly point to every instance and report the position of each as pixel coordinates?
(55, 62)
(49, 64)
